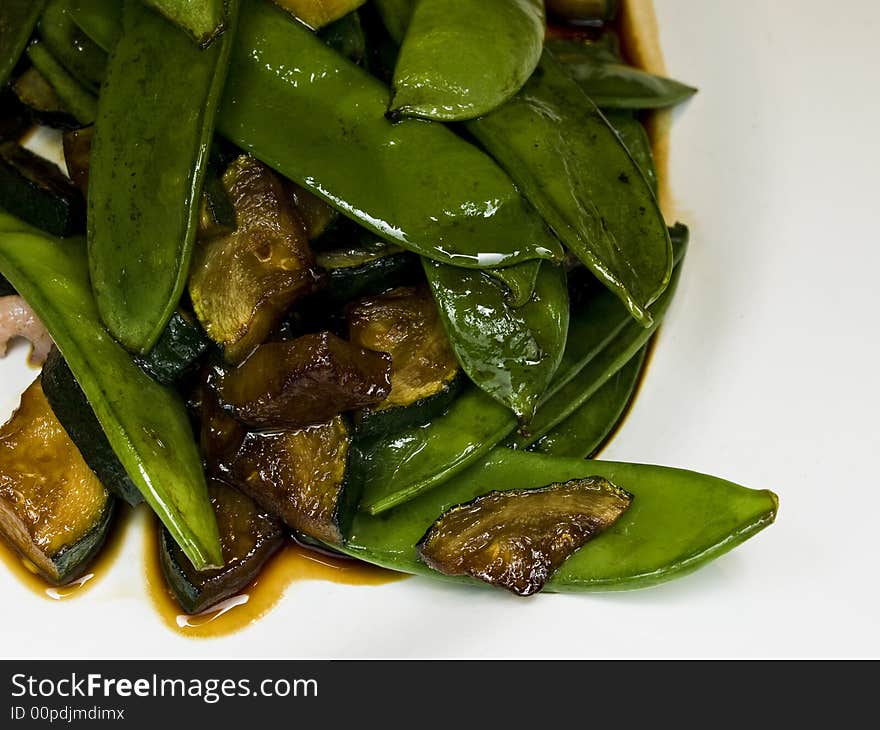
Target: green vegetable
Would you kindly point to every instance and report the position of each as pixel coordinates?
(338, 139)
(53, 510)
(38, 192)
(78, 53)
(318, 13)
(346, 36)
(635, 138)
(512, 354)
(679, 520)
(611, 83)
(396, 15)
(145, 423)
(100, 20)
(366, 269)
(144, 197)
(203, 20)
(519, 281)
(40, 100)
(585, 430)
(176, 352)
(73, 411)
(457, 62)
(17, 21)
(77, 100)
(571, 164)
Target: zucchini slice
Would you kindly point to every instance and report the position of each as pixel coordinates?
(317, 216)
(53, 509)
(242, 283)
(425, 376)
(73, 411)
(36, 191)
(371, 267)
(179, 346)
(248, 536)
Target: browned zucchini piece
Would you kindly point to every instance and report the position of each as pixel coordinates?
(317, 216)
(248, 536)
(53, 510)
(77, 154)
(304, 381)
(517, 539)
(242, 282)
(425, 376)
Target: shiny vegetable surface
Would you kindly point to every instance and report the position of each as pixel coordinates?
(569, 161)
(146, 424)
(516, 539)
(340, 146)
(17, 21)
(304, 381)
(74, 50)
(100, 20)
(457, 62)
(203, 20)
(242, 281)
(635, 138)
(318, 13)
(75, 98)
(144, 198)
(679, 520)
(511, 353)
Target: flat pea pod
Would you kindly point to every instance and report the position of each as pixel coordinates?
(149, 156)
(74, 49)
(519, 281)
(510, 353)
(319, 13)
(146, 424)
(678, 521)
(395, 16)
(339, 145)
(203, 20)
(635, 138)
(571, 164)
(17, 21)
(77, 99)
(100, 20)
(585, 430)
(612, 84)
(459, 63)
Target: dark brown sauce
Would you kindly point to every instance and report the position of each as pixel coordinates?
(292, 564)
(25, 572)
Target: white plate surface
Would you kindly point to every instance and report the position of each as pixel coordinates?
(766, 373)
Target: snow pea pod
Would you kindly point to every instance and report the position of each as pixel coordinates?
(100, 20)
(74, 50)
(611, 83)
(17, 21)
(455, 64)
(511, 353)
(679, 520)
(584, 431)
(203, 20)
(149, 156)
(77, 100)
(146, 424)
(340, 146)
(571, 164)
(635, 138)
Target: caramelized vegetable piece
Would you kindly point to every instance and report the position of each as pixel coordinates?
(518, 539)
(405, 323)
(248, 536)
(318, 13)
(77, 151)
(317, 216)
(241, 283)
(53, 510)
(304, 381)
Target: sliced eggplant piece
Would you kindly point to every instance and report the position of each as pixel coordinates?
(77, 154)
(248, 536)
(175, 353)
(53, 509)
(304, 381)
(517, 539)
(370, 267)
(425, 376)
(242, 283)
(36, 191)
(73, 411)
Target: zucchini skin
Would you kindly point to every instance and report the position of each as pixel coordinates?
(72, 409)
(73, 560)
(182, 343)
(371, 277)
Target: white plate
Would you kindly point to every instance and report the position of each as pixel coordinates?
(765, 374)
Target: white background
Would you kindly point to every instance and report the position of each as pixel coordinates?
(766, 373)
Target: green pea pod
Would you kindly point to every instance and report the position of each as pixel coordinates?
(585, 430)
(570, 163)
(338, 144)
(612, 84)
(77, 52)
(678, 521)
(153, 133)
(519, 281)
(145, 423)
(398, 468)
(512, 354)
(395, 15)
(17, 21)
(458, 64)
(100, 20)
(635, 138)
(203, 20)
(77, 100)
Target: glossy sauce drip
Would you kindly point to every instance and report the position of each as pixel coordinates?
(292, 564)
